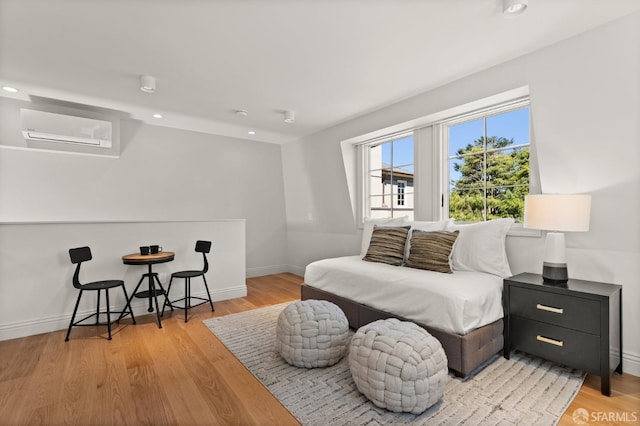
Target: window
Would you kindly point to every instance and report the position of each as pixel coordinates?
(488, 165)
(401, 186)
(471, 163)
(389, 184)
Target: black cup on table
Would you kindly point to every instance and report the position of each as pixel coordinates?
(155, 249)
(144, 250)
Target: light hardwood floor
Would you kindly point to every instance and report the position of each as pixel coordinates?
(178, 375)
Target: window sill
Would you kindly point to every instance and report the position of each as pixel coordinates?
(517, 230)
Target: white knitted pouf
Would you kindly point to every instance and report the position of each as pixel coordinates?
(312, 333)
(398, 365)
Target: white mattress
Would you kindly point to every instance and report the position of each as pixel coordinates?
(458, 303)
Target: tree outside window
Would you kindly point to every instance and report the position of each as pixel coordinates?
(489, 167)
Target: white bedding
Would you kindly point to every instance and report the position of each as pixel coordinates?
(458, 303)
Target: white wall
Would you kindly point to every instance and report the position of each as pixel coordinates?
(585, 101)
(161, 174)
(36, 293)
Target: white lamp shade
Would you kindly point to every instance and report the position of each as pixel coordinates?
(557, 212)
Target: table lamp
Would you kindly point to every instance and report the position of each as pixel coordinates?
(557, 213)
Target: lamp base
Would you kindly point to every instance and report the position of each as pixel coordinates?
(555, 273)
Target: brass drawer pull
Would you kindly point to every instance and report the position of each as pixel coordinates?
(550, 341)
(550, 309)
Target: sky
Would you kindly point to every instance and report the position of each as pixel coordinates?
(402, 153)
(511, 125)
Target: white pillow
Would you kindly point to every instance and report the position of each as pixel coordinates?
(368, 230)
(440, 225)
(482, 247)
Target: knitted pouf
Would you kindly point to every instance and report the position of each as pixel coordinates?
(398, 365)
(312, 333)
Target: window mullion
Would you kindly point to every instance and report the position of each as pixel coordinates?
(391, 180)
(366, 195)
(484, 167)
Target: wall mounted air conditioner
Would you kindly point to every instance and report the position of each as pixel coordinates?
(61, 128)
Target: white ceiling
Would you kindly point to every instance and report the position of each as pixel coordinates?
(328, 60)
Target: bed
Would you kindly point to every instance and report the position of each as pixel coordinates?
(462, 309)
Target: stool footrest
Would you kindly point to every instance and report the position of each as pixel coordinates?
(118, 315)
(145, 294)
(171, 302)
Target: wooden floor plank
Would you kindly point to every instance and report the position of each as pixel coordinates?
(623, 404)
(180, 374)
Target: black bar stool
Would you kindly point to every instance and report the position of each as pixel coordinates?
(83, 254)
(201, 247)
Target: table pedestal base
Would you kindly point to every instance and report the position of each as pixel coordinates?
(152, 293)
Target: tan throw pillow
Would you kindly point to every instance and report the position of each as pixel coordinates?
(367, 229)
(387, 245)
(431, 250)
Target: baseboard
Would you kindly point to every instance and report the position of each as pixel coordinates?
(139, 306)
(631, 363)
(275, 269)
(33, 327)
(266, 270)
(298, 270)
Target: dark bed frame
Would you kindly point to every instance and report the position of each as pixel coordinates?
(464, 353)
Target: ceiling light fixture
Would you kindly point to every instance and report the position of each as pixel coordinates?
(157, 115)
(242, 112)
(289, 117)
(147, 83)
(10, 89)
(251, 132)
(513, 8)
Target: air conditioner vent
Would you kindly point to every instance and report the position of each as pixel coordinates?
(61, 128)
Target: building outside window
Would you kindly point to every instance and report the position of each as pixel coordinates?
(389, 183)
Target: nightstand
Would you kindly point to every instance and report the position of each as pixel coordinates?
(578, 324)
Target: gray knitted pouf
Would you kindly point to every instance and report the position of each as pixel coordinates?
(312, 333)
(398, 365)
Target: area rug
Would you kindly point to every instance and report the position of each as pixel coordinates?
(522, 390)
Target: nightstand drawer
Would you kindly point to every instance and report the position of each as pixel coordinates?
(581, 350)
(557, 309)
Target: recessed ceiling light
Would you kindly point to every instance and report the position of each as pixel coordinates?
(251, 132)
(10, 89)
(157, 115)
